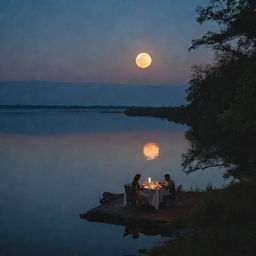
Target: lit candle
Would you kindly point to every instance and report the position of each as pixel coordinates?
(149, 180)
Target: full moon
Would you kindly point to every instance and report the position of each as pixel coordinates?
(151, 150)
(143, 60)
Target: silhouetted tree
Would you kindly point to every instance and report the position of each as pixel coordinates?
(236, 20)
(222, 96)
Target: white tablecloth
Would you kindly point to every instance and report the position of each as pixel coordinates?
(155, 196)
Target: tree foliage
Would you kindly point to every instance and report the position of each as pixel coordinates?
(222, 96)
(236, 20)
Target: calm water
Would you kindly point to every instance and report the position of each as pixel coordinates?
(57, 165)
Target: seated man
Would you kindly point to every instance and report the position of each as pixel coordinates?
(170, 186)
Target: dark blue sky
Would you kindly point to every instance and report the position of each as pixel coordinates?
(97, 40)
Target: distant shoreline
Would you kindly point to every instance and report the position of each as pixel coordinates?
(179, 114)
(65, 108)
(61, 108)
(9, 107)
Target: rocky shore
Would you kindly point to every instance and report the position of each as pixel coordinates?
(147, 221)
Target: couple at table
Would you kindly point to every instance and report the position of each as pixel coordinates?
(143, 197)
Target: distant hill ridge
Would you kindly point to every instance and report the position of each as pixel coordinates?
(89, 94)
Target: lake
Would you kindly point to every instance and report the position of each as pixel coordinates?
(56, 165)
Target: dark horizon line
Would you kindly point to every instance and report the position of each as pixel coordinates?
(31, 106)
(94, 83)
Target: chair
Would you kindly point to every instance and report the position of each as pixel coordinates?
(131, 197)
(177, 193)
(172, 198)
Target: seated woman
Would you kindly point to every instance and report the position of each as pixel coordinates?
(142, 197)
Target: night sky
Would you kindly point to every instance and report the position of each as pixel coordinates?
(98, 40)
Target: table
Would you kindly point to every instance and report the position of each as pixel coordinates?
(155, 196)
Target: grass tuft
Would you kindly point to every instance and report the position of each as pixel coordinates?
(224, 222)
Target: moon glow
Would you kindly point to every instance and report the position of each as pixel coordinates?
(151, 151)
(143, 60)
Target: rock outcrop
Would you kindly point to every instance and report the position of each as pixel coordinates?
(147, 221)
